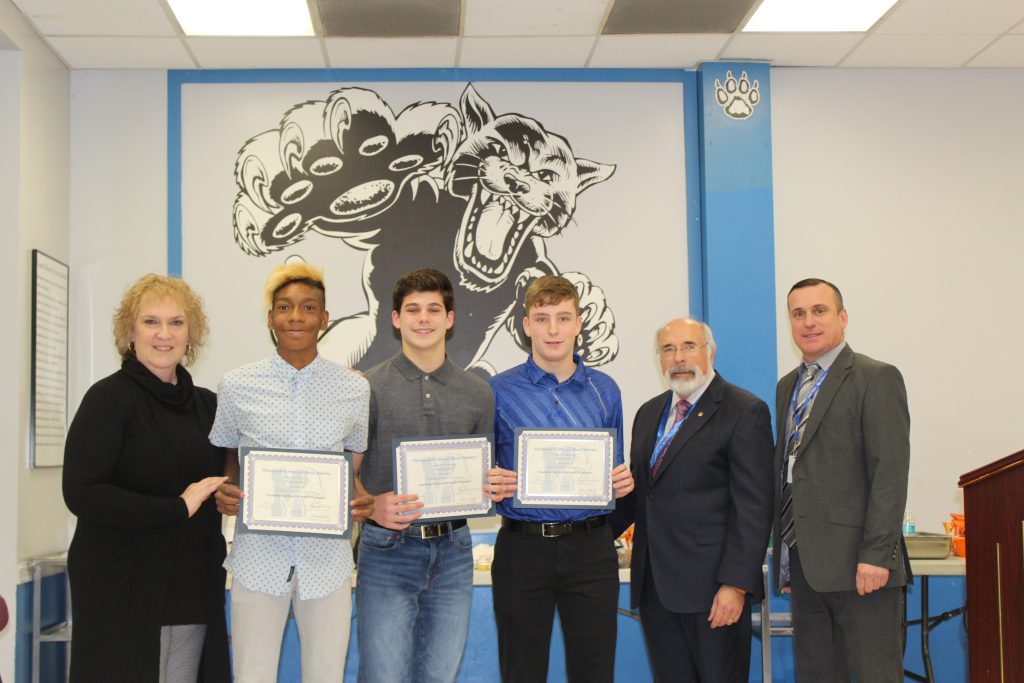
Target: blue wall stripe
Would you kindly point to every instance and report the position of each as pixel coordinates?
(173, 175)
(738, 230)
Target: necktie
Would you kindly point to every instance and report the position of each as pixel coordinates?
(682, 408)
(786, 515)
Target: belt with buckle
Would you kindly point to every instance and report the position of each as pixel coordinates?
(553, 529)
(427, 530)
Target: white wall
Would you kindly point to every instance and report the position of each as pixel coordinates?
(118, 206)
(33, 191)
(904, 188)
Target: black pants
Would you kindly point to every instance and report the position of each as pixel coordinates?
(578, 575)
(683, 648)
(841, 636)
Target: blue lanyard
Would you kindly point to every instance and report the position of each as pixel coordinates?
(800, 413)
(663, 439)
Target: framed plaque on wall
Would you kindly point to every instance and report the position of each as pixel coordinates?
(48, 409)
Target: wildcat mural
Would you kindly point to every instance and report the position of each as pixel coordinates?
(463, 190)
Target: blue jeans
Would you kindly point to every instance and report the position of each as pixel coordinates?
(412, 605)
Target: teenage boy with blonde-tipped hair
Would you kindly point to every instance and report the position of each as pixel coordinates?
(294, 399)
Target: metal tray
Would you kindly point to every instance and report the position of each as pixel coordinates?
(926, 546)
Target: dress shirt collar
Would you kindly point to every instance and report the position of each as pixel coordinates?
(412, 372)
(826, 359)
(287, 371)
(536, 374)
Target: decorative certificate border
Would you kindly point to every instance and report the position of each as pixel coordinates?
(401, 448)
(342, 528)
(605, 438)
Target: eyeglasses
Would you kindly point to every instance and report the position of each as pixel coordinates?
(688, 349)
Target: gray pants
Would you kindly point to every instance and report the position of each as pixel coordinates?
(181, 648)
(257, 625)
(843, 636)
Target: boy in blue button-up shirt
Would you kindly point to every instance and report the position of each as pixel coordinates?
(558, 558)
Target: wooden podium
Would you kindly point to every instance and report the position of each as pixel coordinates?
(994, 512)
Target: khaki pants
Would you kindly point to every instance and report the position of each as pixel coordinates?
(257, 627)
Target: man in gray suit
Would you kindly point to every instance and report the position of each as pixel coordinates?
(842, 459)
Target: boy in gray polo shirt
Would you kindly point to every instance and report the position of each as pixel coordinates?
(416, 579)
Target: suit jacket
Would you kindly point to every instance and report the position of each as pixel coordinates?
(703, 521)
(850, 477)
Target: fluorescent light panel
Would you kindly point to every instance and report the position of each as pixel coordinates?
(791, 16)
(243, 17)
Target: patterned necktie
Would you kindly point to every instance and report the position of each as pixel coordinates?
(682, 408)
(786, 516)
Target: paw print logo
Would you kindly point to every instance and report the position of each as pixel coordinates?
(737, 97)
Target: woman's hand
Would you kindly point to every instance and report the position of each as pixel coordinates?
(197, 493)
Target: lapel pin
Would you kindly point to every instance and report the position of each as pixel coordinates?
(700, 414)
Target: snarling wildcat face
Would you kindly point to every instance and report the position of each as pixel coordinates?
(520, 181)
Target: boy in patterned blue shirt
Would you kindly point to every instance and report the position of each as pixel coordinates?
(300, 400)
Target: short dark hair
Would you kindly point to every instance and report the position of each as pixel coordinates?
(423, 280)
(813, 282)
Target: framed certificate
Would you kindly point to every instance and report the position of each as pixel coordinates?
(296, 492)
(564, 468)
(447, 473)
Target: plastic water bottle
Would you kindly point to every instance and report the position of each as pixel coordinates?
(909, 527)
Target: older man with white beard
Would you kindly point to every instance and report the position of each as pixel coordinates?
(702, 462)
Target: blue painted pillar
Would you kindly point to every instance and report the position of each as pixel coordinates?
(737, 280)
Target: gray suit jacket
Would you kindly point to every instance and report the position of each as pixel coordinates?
(850, 479)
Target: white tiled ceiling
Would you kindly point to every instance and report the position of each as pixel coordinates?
(536, 33)
(525, 51)
(384, 53)
(667, 50)
(122, 52)
(793, 49)
(917, 50)
(256, 53)
(1007, 51)
(103, 18)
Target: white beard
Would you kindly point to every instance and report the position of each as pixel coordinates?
(683, 386)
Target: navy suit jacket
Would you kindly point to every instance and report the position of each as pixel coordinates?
(704, 520)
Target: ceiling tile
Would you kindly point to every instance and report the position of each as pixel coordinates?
(792, 49)
(257, 53)
(567, 52)
(1008, 51)
(657, 51)
(98, 17)
(385, 53)
(122, 53)
(533, 17)
(990, 17)
(916, 51)
(676, 16)
(365, 18)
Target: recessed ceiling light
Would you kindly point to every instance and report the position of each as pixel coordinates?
(817, 15)
(243, 17)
